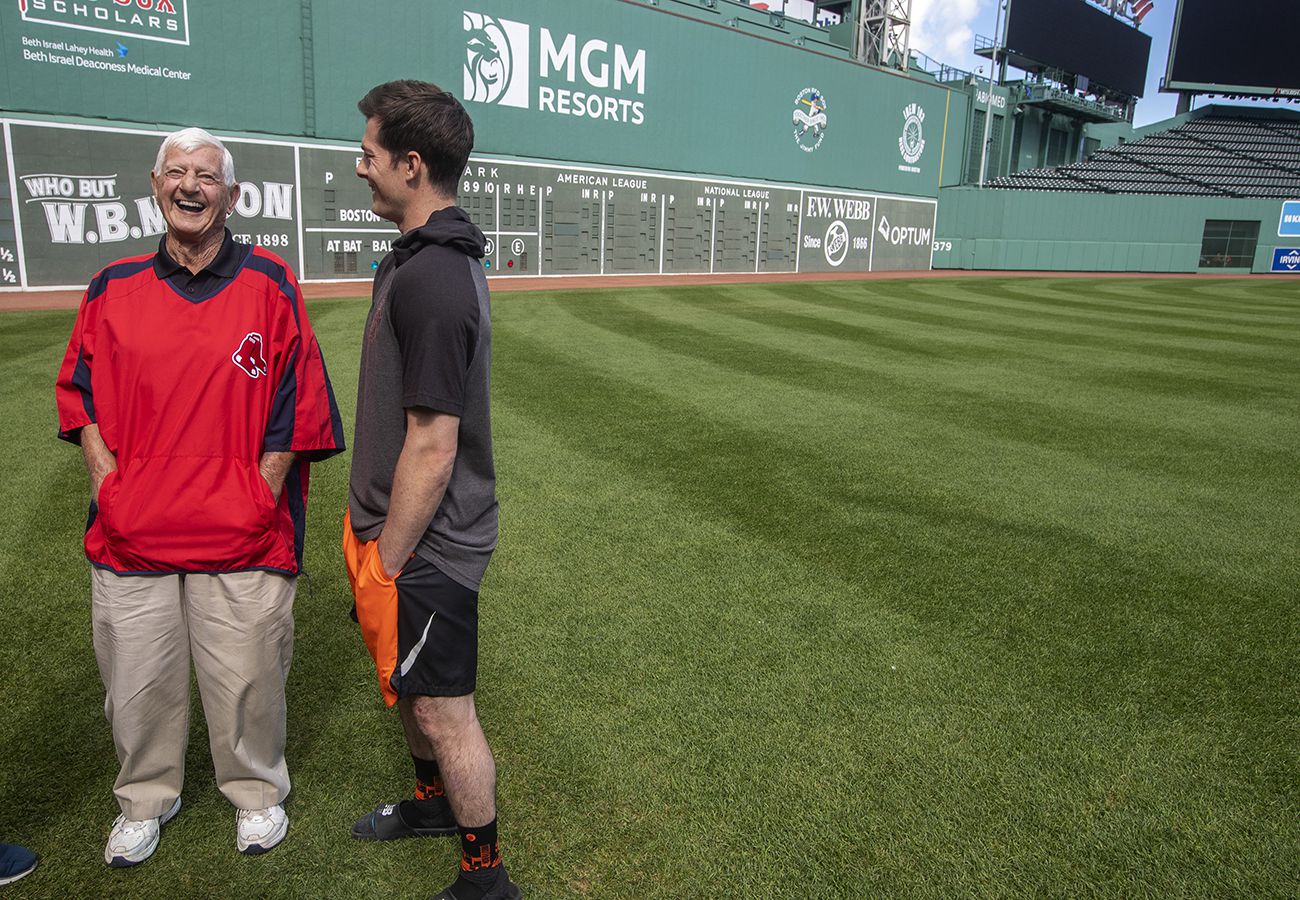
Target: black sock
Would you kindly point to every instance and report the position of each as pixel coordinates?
(428, 779)
(480, 858)
(430, 807)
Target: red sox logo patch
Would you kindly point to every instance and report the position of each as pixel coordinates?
(249, 356)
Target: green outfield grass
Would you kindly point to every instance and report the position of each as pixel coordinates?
(937, 588)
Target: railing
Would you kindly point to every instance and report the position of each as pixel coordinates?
(1039, 92)
(941, 71)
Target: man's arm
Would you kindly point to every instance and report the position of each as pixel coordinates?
(99, 459)
(274, 467)
(423, 470)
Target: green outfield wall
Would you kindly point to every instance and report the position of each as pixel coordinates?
(590, 81)
(1064, 231)
(611, 135)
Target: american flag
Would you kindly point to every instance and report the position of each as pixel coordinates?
(1130, 9)
(1139, 8)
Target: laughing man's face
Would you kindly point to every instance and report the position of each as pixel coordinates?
(192, 195)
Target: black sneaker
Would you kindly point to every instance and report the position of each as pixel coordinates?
(386, 823)
(463, 889)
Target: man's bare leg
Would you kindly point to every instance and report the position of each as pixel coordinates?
(447, 729)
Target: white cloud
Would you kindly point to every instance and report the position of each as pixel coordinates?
(942, 28)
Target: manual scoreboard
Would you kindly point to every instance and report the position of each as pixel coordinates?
(304, 201)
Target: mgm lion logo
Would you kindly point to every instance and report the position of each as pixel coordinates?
(496, 60)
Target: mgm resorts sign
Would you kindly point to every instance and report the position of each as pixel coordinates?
(150, 20)
(589, 78)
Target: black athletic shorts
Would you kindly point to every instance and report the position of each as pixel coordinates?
(437, 633)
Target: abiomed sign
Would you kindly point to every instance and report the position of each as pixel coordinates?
(150, 20)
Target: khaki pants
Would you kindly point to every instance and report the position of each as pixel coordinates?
(238, 628)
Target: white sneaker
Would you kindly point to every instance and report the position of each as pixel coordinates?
(258, 830)
(134, 840)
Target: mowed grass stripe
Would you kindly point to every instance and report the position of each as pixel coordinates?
(1054, 305)
(1050, 298)
(1244, 294)
(940, 339)
(965, 335)
(988, 474)
(1034, 319)
(974, 395)
(1226, 301)
(1221, 298)
(1230, 302)
(1159, 321)
(1095, 301)
(768, 360)
(1208, 372)
(1191, 376)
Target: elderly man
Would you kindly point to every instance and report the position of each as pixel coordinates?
(196, 389)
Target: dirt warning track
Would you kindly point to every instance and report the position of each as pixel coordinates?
(13, 301)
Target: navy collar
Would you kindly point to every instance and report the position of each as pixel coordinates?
(212, 279)
(226, 264)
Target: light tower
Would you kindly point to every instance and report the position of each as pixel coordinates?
(884, 33)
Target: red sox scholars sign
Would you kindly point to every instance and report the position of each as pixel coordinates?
(150, 20)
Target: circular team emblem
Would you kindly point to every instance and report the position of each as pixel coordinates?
(912, 143)
(809, 119)
(836, 245)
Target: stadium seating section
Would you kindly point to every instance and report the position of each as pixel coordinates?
(1211, 156)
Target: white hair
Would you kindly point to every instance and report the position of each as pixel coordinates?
(188, 140)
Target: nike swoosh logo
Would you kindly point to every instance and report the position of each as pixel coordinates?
(415, 651)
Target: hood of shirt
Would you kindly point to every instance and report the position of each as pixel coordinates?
(449, 227)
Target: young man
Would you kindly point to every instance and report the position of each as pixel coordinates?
(196, 389)
(422, 509)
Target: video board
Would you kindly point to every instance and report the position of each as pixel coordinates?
(1081, 39)
(1259, 58)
